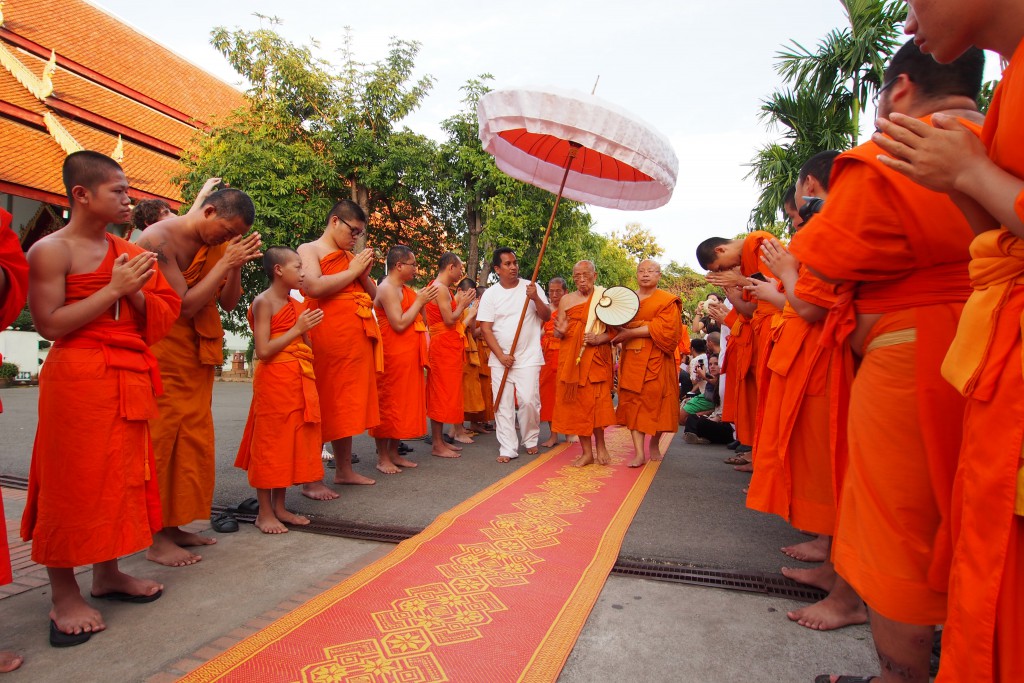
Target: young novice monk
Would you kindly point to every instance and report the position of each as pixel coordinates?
(92, 490)
(281, 443)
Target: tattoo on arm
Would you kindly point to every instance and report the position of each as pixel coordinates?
(158, 250)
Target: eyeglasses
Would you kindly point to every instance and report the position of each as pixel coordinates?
(878, 93)
(406, 263)
(356, 232)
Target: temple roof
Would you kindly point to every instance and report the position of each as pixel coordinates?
(73, 76)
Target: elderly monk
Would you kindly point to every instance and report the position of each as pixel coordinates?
(903, 265)
(13, 291)
(549, 373)
(446, 354)
(648, 375)
(347, 353)
(92, 496)
(981, 641)
(500, 314)
(201, 254)
(736, 265)
(401, 387)
(583, 402)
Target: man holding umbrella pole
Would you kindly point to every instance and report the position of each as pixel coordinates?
(498, 315)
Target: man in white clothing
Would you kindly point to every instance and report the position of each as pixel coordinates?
(498, 316)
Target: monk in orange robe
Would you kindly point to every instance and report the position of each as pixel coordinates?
(13, 291)
(472, 395)
(482, 421)
(347, 353)
(401, 388)
(648, 375)
(736, 266)
(92, 492)
(281, 442)
(201, 254)
(903, 263)
(583, 404)
(446, 354)
(549, 371)
(981, 641)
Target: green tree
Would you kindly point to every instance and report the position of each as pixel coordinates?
(638, 242)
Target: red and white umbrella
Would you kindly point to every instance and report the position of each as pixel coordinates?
(577, 146)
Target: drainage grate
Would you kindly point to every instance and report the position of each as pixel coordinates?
(659, 570)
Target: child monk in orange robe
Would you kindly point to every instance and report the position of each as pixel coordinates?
(583, 404)
(903, 267)
(550, 344)
(648, 375)
(347, 353)
(13, 291)
(446, 355)
(281, 442)
(982, 638)
(201, 254)
(402, 386)
(92, 490)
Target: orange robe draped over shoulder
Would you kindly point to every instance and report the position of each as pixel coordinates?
(982, 640)
(793, 477)
(92, 493)
(15, 267)
(584, 399)
(648, 375)
(281, 442)
(739, 405)
(183, 438)
(484, 378)
(347, 355)
(446, 354)
(903, 255)
(550, 344)
(402, 386)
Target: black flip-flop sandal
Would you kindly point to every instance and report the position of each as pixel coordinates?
(60, 639)
(224, 523)
(128, 597)
(249, 506)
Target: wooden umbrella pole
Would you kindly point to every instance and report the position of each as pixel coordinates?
(573, 148)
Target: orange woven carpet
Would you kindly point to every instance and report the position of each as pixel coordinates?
(496, 589)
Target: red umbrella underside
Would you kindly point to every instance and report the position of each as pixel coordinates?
(555, 151)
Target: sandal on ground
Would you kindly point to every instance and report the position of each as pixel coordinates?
(128, 597)
(737, 460)
(224, 523)
(249, 506)
(826, 678)
(60, 639)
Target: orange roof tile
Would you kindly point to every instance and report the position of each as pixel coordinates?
(88, 35)
(37, 162)
(13, 92)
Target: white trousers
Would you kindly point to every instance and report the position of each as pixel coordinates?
(523, 385)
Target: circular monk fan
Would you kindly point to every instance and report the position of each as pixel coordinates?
(618, 305)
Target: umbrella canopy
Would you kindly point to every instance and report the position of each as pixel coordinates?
(622, 164)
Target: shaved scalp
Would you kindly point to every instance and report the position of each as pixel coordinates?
(147, 212)
(961, 77)
(706, 251)
(593, 268)
(277, 256)
(448, 258)
(820, 167)
(397, 253)
(558, 280)
(231, 203)
(347, 210)
(467, 284)
(88, 169)
(789, 199)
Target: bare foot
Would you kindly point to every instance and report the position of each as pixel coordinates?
(823, 577)
(602, 457)
(550, 443)
(388, 467)
(831, 613)
(168, 553)
(291, 518)
(187, 540)
(749, 467)
(9, 661)
(453, 447)
(532, 450)
(638, 461)
(444, 452)
(117, 581)
(317, 490)
(664, 441)
(504, 459)
(354, 479)
(403, 462)
(572, 439)
(268, 523)
(809, 551)
(480, 428)
(583, 460)
(463, 438)
(73, 615)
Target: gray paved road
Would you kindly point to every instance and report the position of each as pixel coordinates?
(693, 513)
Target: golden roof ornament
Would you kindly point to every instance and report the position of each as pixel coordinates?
(47, 80)
(118, 153)
(60, 134)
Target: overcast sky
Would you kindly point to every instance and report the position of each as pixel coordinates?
(696, 71)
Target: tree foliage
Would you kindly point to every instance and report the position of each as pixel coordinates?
(638, 242)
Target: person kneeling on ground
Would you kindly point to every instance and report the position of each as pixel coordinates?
(701, 416)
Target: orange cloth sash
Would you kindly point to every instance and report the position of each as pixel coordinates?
(583, 400)
(402, 386)
(206, 321)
